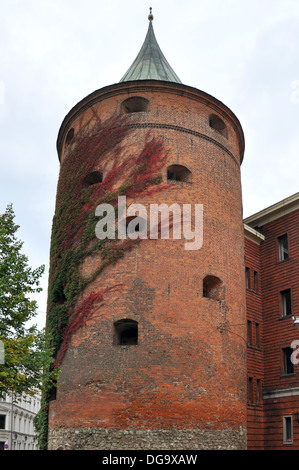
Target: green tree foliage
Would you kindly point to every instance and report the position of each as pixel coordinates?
(25, 354)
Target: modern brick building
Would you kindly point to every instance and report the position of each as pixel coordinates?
(151, 337)
(272, 292)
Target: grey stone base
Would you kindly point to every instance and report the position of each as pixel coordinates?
(134, 439)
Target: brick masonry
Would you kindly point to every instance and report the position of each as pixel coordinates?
(185, 383)
(278, 395)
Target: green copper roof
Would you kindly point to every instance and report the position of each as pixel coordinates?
(150, 64)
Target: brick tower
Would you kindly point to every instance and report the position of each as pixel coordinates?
(149, 335)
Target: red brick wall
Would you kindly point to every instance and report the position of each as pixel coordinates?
(265, 419)
(279, 332)
(188, 370)
(255, 361)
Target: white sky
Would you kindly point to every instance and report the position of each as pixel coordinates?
(53, 53)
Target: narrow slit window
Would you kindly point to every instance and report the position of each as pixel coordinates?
(250, 390)
(247, 278)
(255, 281)
(283, 247)
(126, 332)
(257, 335)
(286, 304)
(287, 430)
(288, 366)
(258, 391)
(249, 333)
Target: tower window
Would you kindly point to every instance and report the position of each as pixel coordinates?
(93, 177)
(213, 288)
(126, 332)
(178, 173)
(135, 104)
(218, 125)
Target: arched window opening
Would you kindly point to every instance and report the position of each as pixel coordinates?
(135, 104)
(70, 136)
(93, 177)
(218, 125)
(213, 288)
(126, 332)
(178, 173)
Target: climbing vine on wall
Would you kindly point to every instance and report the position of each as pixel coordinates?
(97, 146)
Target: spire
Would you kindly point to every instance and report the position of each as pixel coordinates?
(150, 63)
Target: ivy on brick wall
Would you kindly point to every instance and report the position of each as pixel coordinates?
(97, 148)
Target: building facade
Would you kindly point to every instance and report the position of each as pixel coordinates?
(272, 292)
(17, 431)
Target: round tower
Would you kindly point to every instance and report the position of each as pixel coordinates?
(148, 326)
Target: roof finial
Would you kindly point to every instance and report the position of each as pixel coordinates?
(150, 16)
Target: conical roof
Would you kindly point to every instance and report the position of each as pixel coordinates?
(150, 63)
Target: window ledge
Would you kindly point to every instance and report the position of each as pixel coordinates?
(284, 317)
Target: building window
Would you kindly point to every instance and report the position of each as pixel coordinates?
(255, 281)
(178, 173)
(213, 288)
(257, 335)
(218, 125)
(135, 104)
(126, 332)
(288, 366)
(286, 305)
(247, 278)
(250, 390)
(249, 333)
(258, 391)
(287, 430)
(2, 421)
(283, 247)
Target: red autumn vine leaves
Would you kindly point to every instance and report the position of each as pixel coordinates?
(103, 146)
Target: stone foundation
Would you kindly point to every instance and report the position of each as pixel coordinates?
(134, 439)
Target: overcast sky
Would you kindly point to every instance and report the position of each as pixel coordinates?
(55, 52)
